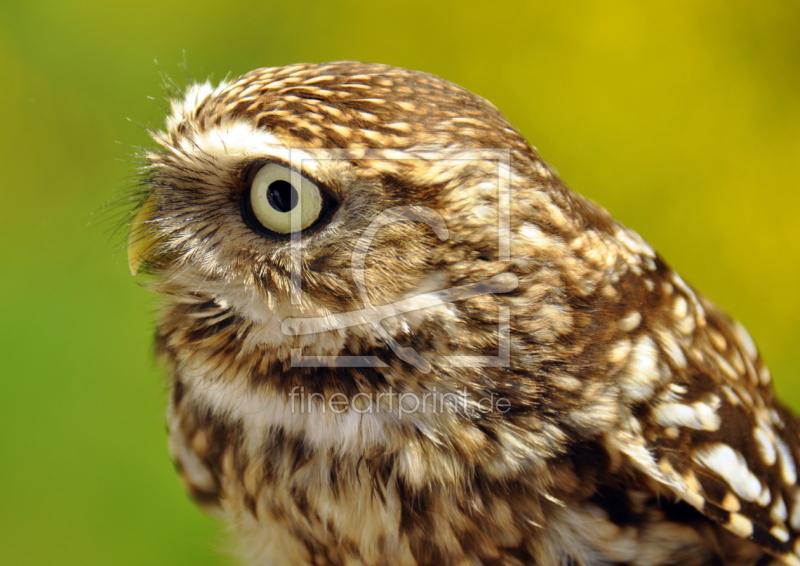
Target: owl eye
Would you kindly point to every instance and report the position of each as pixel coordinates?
(282, 200)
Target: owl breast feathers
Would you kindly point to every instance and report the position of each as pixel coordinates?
(396, 337)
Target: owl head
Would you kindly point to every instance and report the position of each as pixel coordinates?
(341, 207)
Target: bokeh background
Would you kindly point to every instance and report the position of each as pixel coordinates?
(681, 117)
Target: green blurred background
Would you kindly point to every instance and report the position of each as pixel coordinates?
(681, 117)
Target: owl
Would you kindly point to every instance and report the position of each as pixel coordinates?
(395, 337)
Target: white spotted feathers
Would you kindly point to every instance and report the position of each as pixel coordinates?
(713, 433)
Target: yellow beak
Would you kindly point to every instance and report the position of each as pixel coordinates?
(141, 240)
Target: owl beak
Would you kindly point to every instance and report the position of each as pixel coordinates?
(141, 239)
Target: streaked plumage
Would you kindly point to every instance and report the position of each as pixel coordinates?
(640, 425)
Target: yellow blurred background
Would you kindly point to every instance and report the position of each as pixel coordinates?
(680, 117)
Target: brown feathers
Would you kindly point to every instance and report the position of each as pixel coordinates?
(456, 360)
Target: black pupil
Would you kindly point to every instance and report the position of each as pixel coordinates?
(281, 196)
